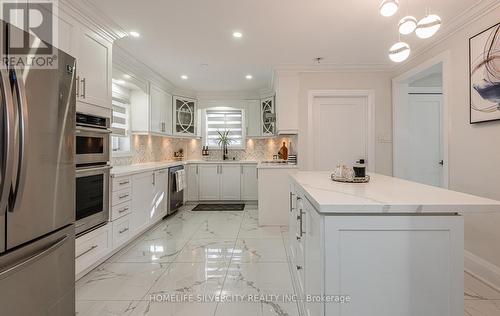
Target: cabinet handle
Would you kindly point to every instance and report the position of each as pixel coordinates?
(123, 230)
(78, 86)
(300, 218)
(124, 182)
(154, 178)
(123, 196)
(84, 90)
(291, 201)
(299, 267)
(241, 168)
(196, 169)
(123, 210)
(87, 251)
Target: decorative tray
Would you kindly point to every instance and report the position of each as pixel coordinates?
(354, 180)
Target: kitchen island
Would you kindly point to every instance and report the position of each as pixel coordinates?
(389, 247)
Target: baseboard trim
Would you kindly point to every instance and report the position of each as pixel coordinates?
(482, 269)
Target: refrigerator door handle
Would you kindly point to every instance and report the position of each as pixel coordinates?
(8, 152)
(40, 254)
(23, 147)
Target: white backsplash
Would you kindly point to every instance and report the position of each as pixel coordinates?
(156, 148)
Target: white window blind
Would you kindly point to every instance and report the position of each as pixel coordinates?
(221, 121)
(120, 128)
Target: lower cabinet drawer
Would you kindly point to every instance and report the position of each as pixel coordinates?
(121, 196)
(121, 183)
(121, 231)
(92, 247)
(120, 210)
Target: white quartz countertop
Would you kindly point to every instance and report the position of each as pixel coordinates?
(118, 171)
(267, 165)
(385, 194)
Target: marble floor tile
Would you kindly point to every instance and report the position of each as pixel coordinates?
(251, 229)
(259, 250)
(257, 309)
(207, 250)
(172, 228)
(106, 308)
(175, 309)
(258, 278)
(191, 278)
(219, 229)
(482, 308)
(156, 250)
(119, 281)
(476, 290)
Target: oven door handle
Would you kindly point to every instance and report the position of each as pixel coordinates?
(80, 170)
(80, 129)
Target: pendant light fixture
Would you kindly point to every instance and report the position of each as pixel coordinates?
(428, 26)
(399, 52)
(389, 7)
(407, 25)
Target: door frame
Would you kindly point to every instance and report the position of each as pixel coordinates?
(399, 84)
(370, 100)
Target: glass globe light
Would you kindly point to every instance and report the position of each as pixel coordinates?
(399, 52)
(389, 7)
(428, 26)
(407, 25)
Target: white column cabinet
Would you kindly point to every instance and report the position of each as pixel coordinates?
(249, 186)
(209, 182)
(142, 201)
(230, 182)
(192, 182)
(93, 55)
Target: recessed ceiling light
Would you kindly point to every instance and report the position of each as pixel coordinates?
(134, 34)
(237, 35)
(184, 77)
(127, 76)
(249, 77)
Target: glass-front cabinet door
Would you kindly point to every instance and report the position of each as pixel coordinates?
(184, 116)
(268, 116)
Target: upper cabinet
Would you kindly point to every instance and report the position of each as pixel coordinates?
(253, 119)
(185, 116)
(94, 68)
(287, 103)
(161, 111)
(268, 116)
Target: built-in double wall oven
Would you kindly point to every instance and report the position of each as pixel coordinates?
(92, 171)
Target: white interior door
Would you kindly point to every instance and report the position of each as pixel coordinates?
(340, 131)
(425, 145)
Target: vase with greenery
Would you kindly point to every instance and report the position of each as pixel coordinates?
(224, 140)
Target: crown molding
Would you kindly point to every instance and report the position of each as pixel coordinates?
(450, 28)
(86, 13)
(298, 68)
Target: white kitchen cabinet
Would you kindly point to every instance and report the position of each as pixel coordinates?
(192, 182)
(160, 195)
(268, 116)
(93, 56)
(230, 182)
(249, 188)
(185, 116)
(253, 119)
(121, 231)
(91, 248)
(209, 184)
(161, 110)
(287, 103)
(142, 201)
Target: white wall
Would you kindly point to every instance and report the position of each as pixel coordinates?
(474, 150)
(380, 82)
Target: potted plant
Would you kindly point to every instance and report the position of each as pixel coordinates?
(224, 140)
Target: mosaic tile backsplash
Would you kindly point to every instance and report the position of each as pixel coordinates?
(155, 148)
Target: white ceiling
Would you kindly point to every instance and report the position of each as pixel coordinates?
(177, 36)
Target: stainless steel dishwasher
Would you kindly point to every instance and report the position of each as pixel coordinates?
(175, 197)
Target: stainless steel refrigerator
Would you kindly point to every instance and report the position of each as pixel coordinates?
(37, 187)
